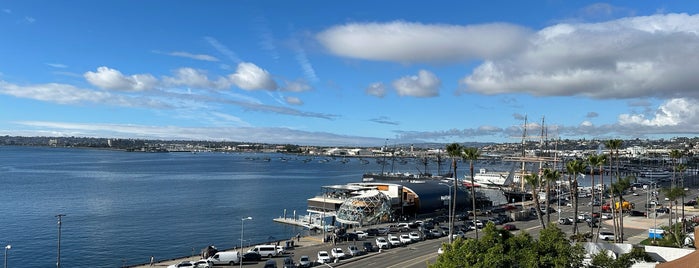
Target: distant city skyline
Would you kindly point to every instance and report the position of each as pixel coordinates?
(360, 73)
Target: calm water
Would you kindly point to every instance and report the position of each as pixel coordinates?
(123, 207)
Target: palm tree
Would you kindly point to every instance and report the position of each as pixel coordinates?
(681, 168)
(613, 146)
(600, 160)
(574, 168)
(593, 161)
(551, 176)
(618, 188)
(673, 193)
(472, 154)
(675, 155)
(535, 182)
(454, 150)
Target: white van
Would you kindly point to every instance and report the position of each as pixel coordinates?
(265, 250)
(225, 257)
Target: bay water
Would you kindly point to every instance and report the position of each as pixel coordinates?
(122, 207)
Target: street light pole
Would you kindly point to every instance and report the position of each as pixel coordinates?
(6, 248)
(58, 256)
(242, 223)
(451, 217)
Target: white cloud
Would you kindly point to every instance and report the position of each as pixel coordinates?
(250, 77)
(202, 57)
(674, 112)
(416, 42)
(107, 78)
(68, 94)
(586, 124)
(57, 65)
(302, 60)
(296, 86)
(277, 135)
(6, 10)
(222, 49)
(425, 84)
(624, 58)
(29, 19)
(195, 78)
(376, 89)
(293, 100)
(227, 119)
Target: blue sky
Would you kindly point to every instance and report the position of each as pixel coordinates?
(352, 73)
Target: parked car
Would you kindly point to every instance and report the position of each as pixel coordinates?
(436, 233)
(565, 221)
(348, 237)
(361, 234)
(458, 234)
(383, 231)
(636, 213)
(394, 241)
(353, 250)
(414, 236)
(405, 239)
(270, 264)
(324, 257)
(509, 227)
(202, 264)
(305, 262)
(369, 247)
(289, 263)
(252, 256)
(183, 264)
(606, 236)
(372, 232)
(337, 253)
(381, 242)
(691, 203)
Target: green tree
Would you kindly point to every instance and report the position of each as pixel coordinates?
(675, 155)
(618, 189)
(471, 154)
(535, 182)
(593, 161)
(551, 176)
(613, 146)
(500, 248)
(454, 150)
(599, 161)
(574, 168)
(673, 193)
(603, 260)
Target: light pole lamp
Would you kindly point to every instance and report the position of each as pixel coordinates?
(6, 249)
(242, 223)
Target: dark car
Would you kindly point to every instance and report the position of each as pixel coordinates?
(509, 227)
(252, 256)
(691, 203)
(270, 264)
(372, 232)
(369, 247)
(636, 213)
(289, 263)
(663, 210)
(348, 237)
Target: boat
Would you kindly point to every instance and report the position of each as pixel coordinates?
(495, 178)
